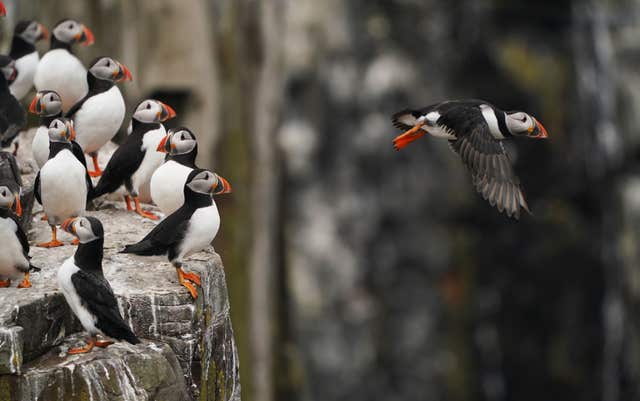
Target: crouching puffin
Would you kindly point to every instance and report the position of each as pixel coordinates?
(475, 130)
(189, 229)
(23, 51)
(168, 180)
(48, 105)
(137, 158)
(99, 115)
(87, 291)
(59, 69)
(62, 185)
(14, 258)
(12, 116)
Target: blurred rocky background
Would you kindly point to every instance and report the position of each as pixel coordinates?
(356, 272)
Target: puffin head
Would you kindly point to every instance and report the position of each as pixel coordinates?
(61, 130)
(8, 67)
(205, 182)
(109, 69)
(520, 123)
(71, 31)
(10, 200)
(30, 31)
(46, 103)
(153, 111)
(178, 141)
(86, 228)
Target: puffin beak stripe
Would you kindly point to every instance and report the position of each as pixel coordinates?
(222, 187)
(44, 32)
(34, 107)
(86, 38)
(167, 111)
(68, 225)
(542, 132)
(161, 146)
(124, 74)
(3, 10)
(18, 204)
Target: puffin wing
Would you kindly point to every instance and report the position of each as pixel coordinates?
(122, 165)
(74, 109)
(163, 236)
(36, 188)
(77, 151)
(16, 119)
(97, 296)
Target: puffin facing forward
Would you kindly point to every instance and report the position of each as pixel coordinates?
(23, 51)
(87, 291)
(97, 117)
(475, 130)
(59, 69)
(189, 229)
(48, 105)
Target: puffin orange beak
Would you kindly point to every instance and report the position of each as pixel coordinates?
(68, 225)
(85, 38)
(72, 132)
(167, 112)
(3, 10)
(123, 74)
(541, 132)
(222, 187)
(18, 204)
(34, 107)
(44, 32)
(162, 145)
(409, 136)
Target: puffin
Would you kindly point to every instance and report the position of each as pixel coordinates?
(137, 158)
(48, 105)
(10, 177)
(189, 229)
(475, 130)
(23, 51)
(12, 116)
(59, 69)
(99, 114)
(14, 258)
(62, 186)
(181, 148)
(87, 291)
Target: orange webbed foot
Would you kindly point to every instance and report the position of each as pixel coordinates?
(25, 283)
(104, 343)
(50, 244)
(193, 277)
(83, 350)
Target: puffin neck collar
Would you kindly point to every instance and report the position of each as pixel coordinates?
(58, 44)
(89, 255)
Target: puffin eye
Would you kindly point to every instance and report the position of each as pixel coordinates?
(70, 26)
(148, 106)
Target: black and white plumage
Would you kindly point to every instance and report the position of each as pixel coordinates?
(12, 116)
(48, 105)
(137, 158)
(475, 130)
(59, 69)
(87, 291)
(189, 229)
(181, 148)
(62, 186)
(23, 51)
(99, 114)
(14, 258)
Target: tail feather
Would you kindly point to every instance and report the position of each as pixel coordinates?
(142, 248)
(103, 187)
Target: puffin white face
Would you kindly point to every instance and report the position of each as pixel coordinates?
(153, 111)
(8, 67)
(180, 141)
(521, 123)
(206, 182)
(70, 31)
(61, 130)
(111, 70)
(31, 31)
(87, 229)
(46, 103)
(8, 200)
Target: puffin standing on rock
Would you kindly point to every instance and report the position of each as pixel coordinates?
(48, 105)
(137, 158)
(59, 69)
(12, 116)
(475, 130)
(62, 185)
(99, 115)
(87, 291)
(189, 229)
(167, 181)
(23, 51)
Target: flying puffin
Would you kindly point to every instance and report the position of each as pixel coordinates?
(48, 105)
(59, 69)
(87, 291)
(23, 51)
(475, 130)
(137, 158)
(182, 148)
(189, 229)
(14, 258)
(99, 115)
(12, 116)
(62, 185)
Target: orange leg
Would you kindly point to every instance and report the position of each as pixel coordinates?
(141, 212)
(85, 349)
(104, 343)
(25, 281)
(97, 172)
(127, 200)
(54, 239)
(5, 283)
(184, 282)
(411, 135)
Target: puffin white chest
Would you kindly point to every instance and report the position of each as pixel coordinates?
(62, 72)
(152, 158)
(26, 66)
(203, 227)
(66, 271)
(167, 184)
(40, 146)
(63, 188)
(12, 260)
(99, 119)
